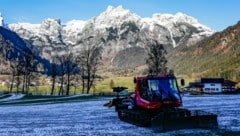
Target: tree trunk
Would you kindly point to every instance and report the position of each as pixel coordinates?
(83, 86)
(61, 86)
(68, 84)
(24, 82)
(53, 84)
(18, 82)
(12, 82)
(91, 82)
(83, 81)
(28, 83)
(88, 83)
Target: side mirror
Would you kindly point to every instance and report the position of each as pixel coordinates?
(182, 82)
(134, 80)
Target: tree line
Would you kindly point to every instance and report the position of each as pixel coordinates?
(66, 69)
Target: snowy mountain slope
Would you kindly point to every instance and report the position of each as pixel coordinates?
(180, 27)
(46, 36)
(18, 48)
(114, 17)
(121, 29)
(1, 20)
(72, 29)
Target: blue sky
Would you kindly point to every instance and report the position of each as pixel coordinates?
(216, 14)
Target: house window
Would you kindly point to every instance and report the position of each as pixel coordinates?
(212, 84)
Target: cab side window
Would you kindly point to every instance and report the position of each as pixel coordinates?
(143, 88)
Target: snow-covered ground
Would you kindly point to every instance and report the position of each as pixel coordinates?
(91, 118)
(13, 97)
(227, 107)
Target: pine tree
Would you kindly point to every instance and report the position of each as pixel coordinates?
(156, 61)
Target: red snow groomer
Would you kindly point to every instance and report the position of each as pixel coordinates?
(156, 103)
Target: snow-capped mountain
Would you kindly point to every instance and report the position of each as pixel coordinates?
(182, 28)
(123, 31)
(114, 17)
(16, 48)
(46, 36)
(1, 20)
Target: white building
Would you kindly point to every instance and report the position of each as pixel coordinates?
(212, 88)
(212, 85)
(217, 85)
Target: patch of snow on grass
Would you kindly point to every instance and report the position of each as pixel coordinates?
(13, 97)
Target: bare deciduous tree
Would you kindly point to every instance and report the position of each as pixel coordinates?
(68, 69)
(28, 64)
(90, 56)
(54, 73)
(88, 62)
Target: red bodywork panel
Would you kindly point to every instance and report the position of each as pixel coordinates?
(143, 103)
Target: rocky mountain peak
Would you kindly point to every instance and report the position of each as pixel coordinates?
(47, 23)
(181, 17)
(51, 25)
(118, 9)
(114, 16)
(170, 20)
(1, 20)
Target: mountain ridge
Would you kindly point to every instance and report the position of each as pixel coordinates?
(121, 29)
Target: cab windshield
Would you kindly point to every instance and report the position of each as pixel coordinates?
(159, 89)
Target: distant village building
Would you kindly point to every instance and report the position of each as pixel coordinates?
(196, 88)
(229, 86)
(212, 86)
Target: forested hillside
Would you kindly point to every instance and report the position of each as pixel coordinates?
(215, 56)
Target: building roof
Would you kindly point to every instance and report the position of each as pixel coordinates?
(229, 83)
(212, 80)
(195, 84)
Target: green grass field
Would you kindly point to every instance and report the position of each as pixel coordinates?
(107, 84)
(102, 86)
